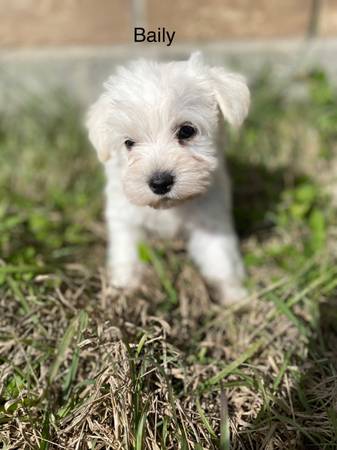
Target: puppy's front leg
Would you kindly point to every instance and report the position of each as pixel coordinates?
(218, 257)
(123, 262)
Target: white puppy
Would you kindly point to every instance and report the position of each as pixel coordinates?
(155, 129)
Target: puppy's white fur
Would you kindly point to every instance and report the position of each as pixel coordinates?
(146, 103)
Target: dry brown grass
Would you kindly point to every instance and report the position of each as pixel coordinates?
(84, 367)
(99, 370)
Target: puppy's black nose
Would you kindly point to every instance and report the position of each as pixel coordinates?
(161, 182)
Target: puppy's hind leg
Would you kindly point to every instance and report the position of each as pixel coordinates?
(218, 257)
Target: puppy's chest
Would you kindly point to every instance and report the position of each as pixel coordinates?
(164, 223)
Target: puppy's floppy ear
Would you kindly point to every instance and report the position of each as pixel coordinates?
(98, 127)
(230, 89)
(196, 59)
(232, 94)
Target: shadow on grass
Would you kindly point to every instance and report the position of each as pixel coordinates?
(256, 192)
(314, 398)
(306, 419)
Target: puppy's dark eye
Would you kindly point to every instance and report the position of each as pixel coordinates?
(186, 132)
(129, 144)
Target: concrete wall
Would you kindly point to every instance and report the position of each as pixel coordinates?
(76, 44)
(40, 23)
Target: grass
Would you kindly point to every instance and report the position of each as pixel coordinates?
(85, 368)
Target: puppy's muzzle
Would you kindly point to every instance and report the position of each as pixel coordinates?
(161, 183)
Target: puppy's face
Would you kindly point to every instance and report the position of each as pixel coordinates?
(158, 121)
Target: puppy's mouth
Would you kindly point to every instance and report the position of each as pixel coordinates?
(166, 202)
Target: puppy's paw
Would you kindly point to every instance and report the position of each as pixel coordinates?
(231, 292)
(127, 279)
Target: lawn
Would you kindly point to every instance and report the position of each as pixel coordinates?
(84, 367)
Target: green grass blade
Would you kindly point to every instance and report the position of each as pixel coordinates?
(11, 269)
(18, 294)
(141, 344)
(282, 370)
(62, 349)
(284, 308)
(224, 421)
(164, 432)
(147, 254)
(233, 365)
(45, 435)
(82, 321)
(204, 419)
(141, 431)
